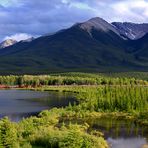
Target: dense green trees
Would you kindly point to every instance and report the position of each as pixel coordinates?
(117, 98)
(73, 79)
(108, 98)
(8, 134)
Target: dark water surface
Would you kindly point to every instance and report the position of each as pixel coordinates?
(17, 104)
(120, 133)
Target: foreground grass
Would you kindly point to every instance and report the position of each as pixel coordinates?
(46, 131)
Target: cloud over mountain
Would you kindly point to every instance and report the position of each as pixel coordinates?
(38, 17)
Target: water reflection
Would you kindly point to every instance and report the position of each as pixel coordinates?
(127, 143)
(18, 116)
(118, 128)
(121, 133)
(118, 133)
(17, 104)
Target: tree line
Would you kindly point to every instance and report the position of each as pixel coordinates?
(35, 81)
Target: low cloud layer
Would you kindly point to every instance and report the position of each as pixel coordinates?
(18, 36)
(38, 17)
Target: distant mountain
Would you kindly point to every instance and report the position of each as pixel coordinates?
(131, 30)
(97, 24)
(94, 46)
(7, 43)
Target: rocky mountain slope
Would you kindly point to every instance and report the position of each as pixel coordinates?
(7, 43)
(131, 30)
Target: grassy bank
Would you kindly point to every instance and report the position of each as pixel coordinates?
(128, 102)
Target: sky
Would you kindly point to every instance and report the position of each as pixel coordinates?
(21, 19)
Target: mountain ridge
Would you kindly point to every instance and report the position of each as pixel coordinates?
(131, 30)
(74, 49)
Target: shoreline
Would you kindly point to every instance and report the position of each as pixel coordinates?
(117, 115)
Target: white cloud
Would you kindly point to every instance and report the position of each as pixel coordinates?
(80, 5)
(8, 3)
(146, 13)
(38, 17)
(130, 10)
(18, 36)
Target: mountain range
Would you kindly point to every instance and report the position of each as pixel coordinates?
(91, 46)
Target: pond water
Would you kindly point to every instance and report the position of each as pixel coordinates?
(119, 133)
(17, 104)
(122, 133)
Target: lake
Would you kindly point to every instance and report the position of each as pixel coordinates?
(17, 104)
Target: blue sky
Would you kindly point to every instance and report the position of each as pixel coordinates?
(20, 19)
